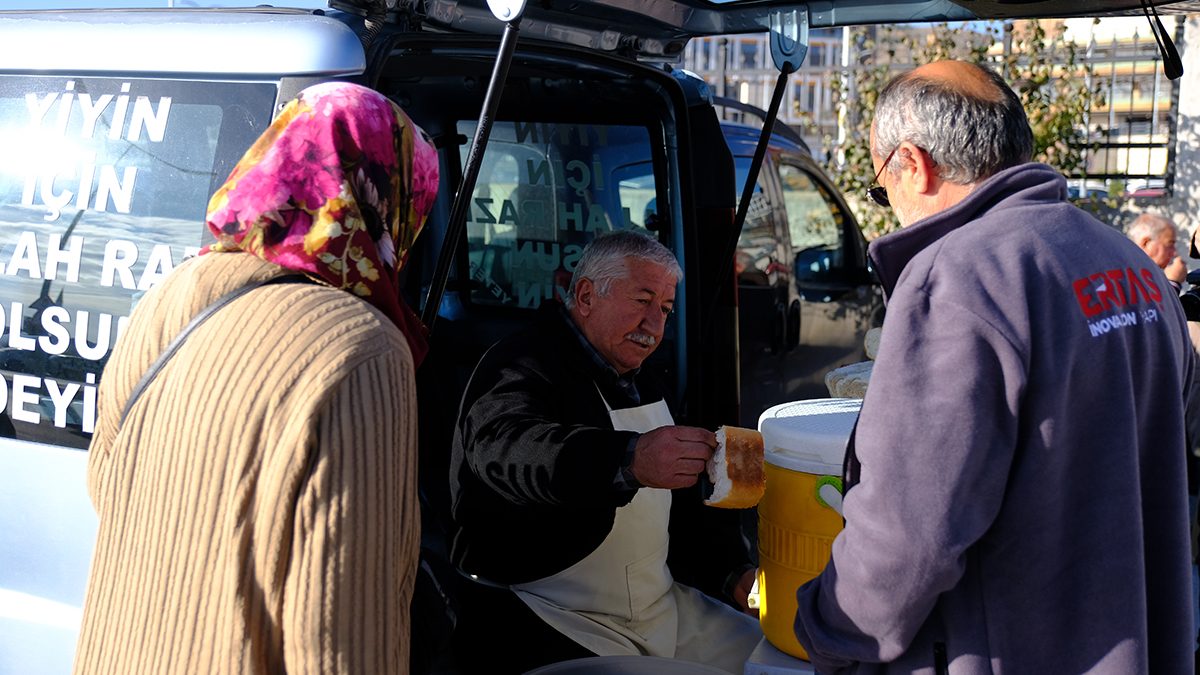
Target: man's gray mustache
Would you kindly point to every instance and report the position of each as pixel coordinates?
(641, 338)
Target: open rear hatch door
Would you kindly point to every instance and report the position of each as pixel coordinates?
(582, 142)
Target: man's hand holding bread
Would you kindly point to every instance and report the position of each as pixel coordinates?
(672, 457)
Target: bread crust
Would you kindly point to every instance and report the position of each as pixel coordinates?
(743, 466)
(849, 381)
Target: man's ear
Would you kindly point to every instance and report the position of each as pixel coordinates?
(920, 168)
(585, 293)
(1143, 243)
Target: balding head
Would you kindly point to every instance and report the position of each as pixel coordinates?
(963, 116)
(966, 78)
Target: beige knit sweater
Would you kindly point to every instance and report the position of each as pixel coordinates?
(258, 510)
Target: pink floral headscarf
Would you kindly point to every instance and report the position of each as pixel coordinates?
(337, 188)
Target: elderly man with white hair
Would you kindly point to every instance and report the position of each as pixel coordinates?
(568, 472)
(1157, 235)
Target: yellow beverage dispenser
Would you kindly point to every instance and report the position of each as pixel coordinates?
(800, 512)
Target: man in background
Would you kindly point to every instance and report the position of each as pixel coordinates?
(1157, 236)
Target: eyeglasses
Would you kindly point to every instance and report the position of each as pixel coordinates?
(878, 194)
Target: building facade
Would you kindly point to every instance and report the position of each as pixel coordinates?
(741, 68)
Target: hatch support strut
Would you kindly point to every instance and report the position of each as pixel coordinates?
(508, 11)
(789, 45)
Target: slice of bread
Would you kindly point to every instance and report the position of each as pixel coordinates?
(736, 469)
(849, 381)
(871, 342)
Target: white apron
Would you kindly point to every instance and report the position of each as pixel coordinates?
(621, 599)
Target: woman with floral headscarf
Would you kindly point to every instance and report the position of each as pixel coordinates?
(257, 504)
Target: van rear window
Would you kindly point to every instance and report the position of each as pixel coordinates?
(104, 184)
(544, 191)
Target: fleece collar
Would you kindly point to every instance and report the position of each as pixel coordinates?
(1020, 184)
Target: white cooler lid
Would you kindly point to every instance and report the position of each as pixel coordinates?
(809, 436)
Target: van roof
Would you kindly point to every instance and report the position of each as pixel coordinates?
(253, 44)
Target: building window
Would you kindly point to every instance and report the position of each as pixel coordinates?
(749, 51)
(816, 55)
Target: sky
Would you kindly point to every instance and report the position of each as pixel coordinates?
(94, 4)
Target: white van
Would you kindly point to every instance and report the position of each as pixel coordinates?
(117, 125)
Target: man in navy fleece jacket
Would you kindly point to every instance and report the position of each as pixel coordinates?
(1016, 498)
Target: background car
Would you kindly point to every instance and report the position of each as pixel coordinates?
(806, 294)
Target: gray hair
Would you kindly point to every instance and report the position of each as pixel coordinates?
(969, 138)
(1150, 225)
(603, 261)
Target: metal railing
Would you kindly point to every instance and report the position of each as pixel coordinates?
(1131, 138)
